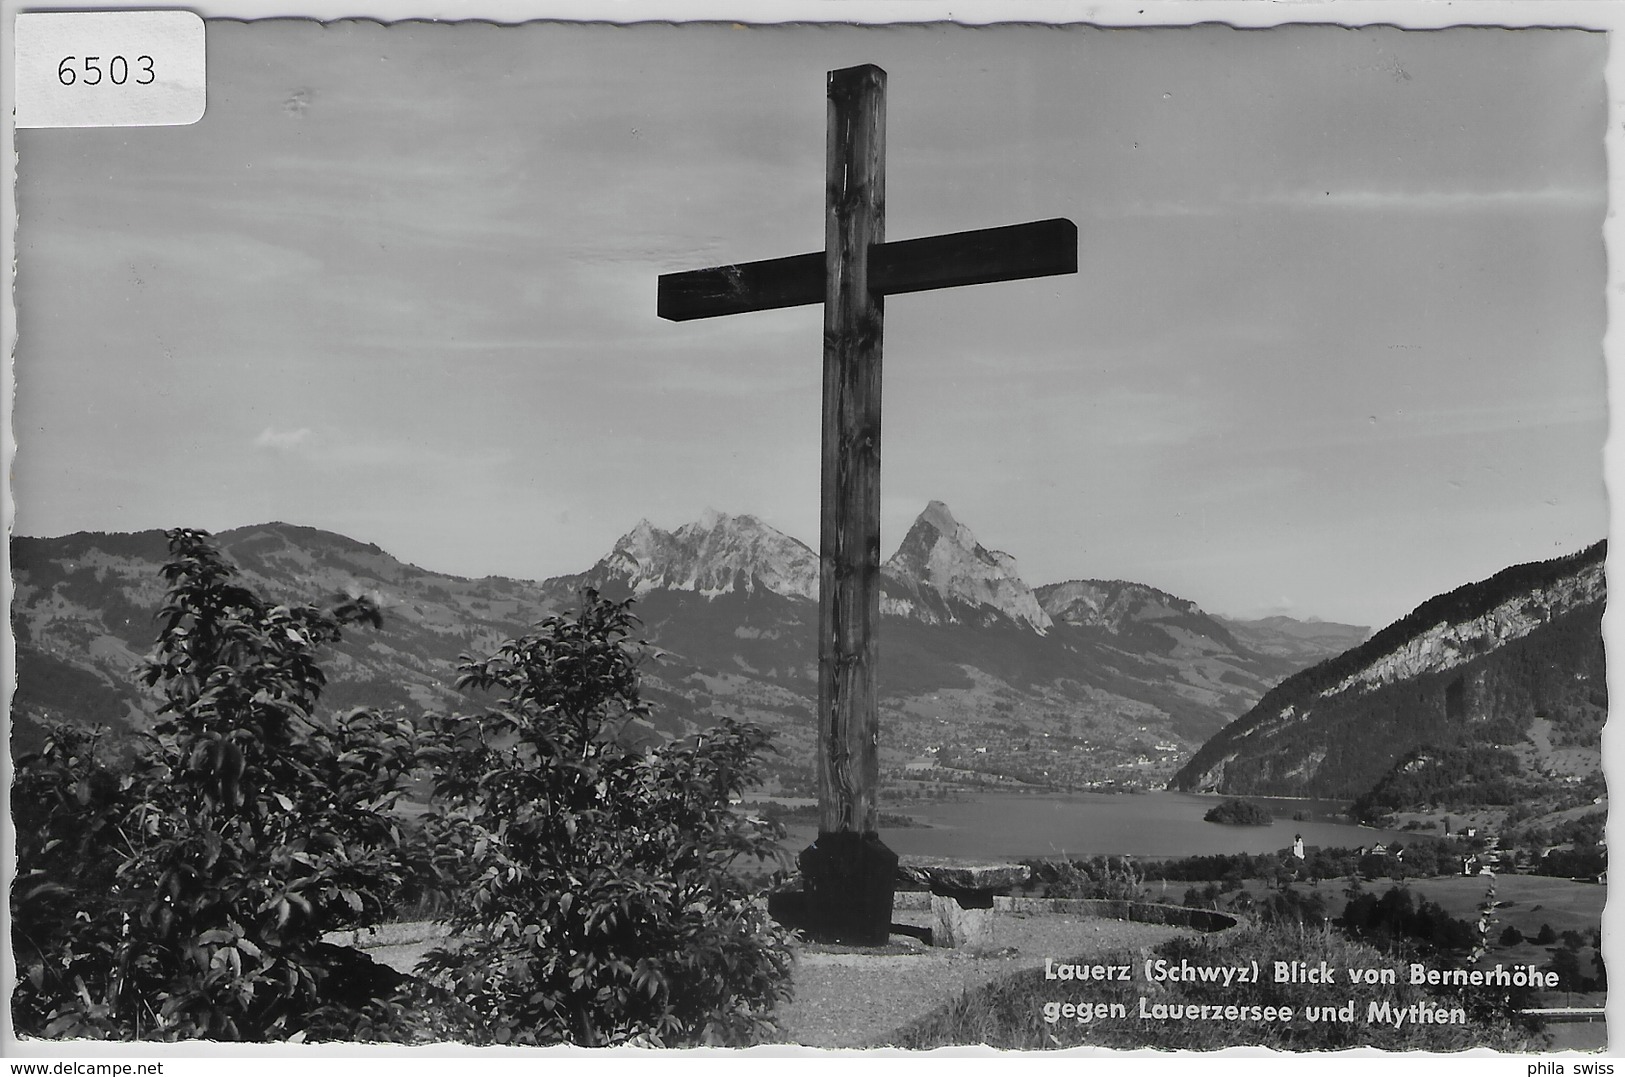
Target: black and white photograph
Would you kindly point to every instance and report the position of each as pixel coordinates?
(828, 534)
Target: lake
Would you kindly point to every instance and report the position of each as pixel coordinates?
(1158, 825)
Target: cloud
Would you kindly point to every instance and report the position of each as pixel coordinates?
(349, 452)
(282, 440)
(1446, 201)
(1436, 201)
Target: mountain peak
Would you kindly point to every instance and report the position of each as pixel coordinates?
(938, 515)
(712, 555)
(941, 573)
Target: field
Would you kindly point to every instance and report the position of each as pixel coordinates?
(1527, 900)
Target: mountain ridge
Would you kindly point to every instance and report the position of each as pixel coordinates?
(728, 601)
(1500, 653)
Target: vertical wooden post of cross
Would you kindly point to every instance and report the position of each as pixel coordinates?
(849, 874)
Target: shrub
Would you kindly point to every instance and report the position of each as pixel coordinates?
(1398, 921)
(1206, 897)
(67, 806)
(1291, 906)
(1116, 878)
(1566, 963)
(597, 905)
(1572, 863)
(188, 897)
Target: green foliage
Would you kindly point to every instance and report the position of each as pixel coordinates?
(1236, 812)
(1566, 963)
(186, 893)
(1374, 865)
(1232, 867)
(1462, 775)
(1292, 906)
(187, 898)
(1572, 863)
(1588, 829)
(67, 806)
(1116, 878)
(596, 901)
(1206, 897)
(1397, 921)
(1426, 858)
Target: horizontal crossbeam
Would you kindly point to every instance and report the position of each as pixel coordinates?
(1013, 252)
(709, 293)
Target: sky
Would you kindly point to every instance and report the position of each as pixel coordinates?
(1335, 344)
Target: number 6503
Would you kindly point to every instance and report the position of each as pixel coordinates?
(116, 71)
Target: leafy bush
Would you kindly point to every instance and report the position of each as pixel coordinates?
(67, 805)
(1292, 906)
(188, 897)
(1566, 963)
(1397, 920)
(597, 905)
(1206, 897)
(1115, 878)
(1572, 863)
(1233, 867)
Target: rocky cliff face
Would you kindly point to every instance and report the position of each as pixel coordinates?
(1451, 643)
(940, 574)
(1109, 603)
(1126, 610)
(1482, 663)
(716, 554)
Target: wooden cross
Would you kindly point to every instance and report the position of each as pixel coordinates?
(853, 274)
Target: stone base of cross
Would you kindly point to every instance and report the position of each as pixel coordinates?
(848, 873)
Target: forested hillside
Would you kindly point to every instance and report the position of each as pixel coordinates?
(1476, 668)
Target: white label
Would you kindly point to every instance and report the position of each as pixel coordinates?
(109, 68)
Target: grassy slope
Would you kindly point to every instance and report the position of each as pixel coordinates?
(1536, 899)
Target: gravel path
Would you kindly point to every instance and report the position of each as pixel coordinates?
(845, 997)
(854, 999)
